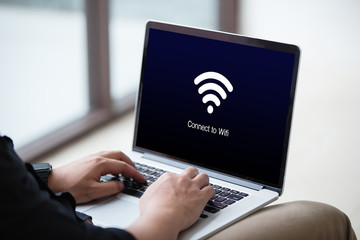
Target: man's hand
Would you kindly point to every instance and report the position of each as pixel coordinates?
(82, 177)
(171, 204)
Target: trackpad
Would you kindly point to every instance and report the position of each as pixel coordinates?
(116, 212)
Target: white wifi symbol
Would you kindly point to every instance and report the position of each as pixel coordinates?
(214, 87)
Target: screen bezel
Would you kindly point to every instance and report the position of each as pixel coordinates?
(233, 38)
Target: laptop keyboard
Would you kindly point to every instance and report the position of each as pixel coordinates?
(223, 196)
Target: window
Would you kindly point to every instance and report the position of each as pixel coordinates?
(68, 66)
(43, 67)
(327, 34)
(127, 29)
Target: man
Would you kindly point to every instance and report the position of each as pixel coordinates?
(29, 207)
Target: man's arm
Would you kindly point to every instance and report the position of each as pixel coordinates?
(171, 204)
(30, 210)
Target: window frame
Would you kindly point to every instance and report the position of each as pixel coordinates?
(103, 108)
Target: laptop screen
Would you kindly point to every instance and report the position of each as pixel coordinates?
(217, 100)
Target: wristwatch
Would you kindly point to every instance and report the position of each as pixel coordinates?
(43, 170)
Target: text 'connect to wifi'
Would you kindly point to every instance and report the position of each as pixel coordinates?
(208, 128)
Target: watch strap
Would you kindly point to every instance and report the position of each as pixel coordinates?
(43, 170)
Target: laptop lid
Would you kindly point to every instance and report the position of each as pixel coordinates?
(217, 100)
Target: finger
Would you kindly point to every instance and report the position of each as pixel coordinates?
(116, 155)
(115, 167)
(109, 188)
(201, 180)
(209, 191)
(191, 172)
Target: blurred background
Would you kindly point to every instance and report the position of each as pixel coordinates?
(69, 66)
(63, 61)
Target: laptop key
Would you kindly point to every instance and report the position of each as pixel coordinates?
(234, 197)
(229, 202)
(217, 190)
(211, 209)
(216, 186)
(143, 189)
(243, 194)
(219, 199)
(133, 192)
(223, 194)
(217, 204)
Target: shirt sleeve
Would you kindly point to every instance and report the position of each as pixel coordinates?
(29, 209)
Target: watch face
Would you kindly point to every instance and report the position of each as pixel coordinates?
(42, 167)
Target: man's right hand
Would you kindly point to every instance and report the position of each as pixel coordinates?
(171, 204)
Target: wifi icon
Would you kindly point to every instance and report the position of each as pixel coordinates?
(212, 86)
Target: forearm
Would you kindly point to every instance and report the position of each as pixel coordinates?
(54, 181)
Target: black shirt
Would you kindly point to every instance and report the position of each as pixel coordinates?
(28, 208)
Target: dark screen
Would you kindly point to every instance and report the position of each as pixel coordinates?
(245, 134)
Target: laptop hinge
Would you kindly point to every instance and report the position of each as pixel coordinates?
(211, 173)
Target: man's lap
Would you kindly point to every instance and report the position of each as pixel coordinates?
(294, 220)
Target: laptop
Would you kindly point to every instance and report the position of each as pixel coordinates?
(220, 102)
